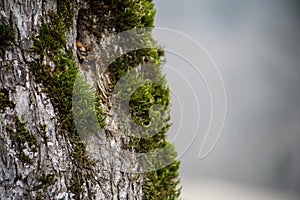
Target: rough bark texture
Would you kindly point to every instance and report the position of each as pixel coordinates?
(41, 154)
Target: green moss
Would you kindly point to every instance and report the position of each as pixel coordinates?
(51, 39)
(7, 36)
(77, 182)
(4, 100)
(47, 180)
(99, 112)
(161, 183)
(143, 98)
(20, 136)
(58, 81)
(118, 15)
(66, 11)
(59, 78)
(86, 104)
(43, 133)
(40, 195)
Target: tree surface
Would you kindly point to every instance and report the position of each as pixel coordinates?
(61, 134)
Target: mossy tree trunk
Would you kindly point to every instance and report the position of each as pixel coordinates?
(42, 155)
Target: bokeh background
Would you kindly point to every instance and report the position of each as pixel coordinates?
(255, 44)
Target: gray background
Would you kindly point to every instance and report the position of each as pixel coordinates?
(255, 44)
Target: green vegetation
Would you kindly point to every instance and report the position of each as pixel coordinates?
(119, 15)
(58, 76)
(162, 183)
(7, 38)
(4, 100)
(47, 180)
(58, 80)
(66, 11)
(77, 181)
(21, 137)
(86, 105)
(43, 133)
(126, 15)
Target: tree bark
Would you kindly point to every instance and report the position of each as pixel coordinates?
(42, 155)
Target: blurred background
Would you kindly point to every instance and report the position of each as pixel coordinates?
(255, 44)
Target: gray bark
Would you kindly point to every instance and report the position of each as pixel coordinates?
(40, 165)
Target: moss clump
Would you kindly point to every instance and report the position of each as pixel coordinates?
(47, 180)
(77, 181)
(118, 15)
(58, 80)
(59, 77)
(23, 139)
(161, 183)
(142, 100)
(66, 11)
(50, 42)
(43, 133)
(86, 105)
(4, 99)
(7, 36)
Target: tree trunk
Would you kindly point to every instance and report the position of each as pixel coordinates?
(48, 149)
